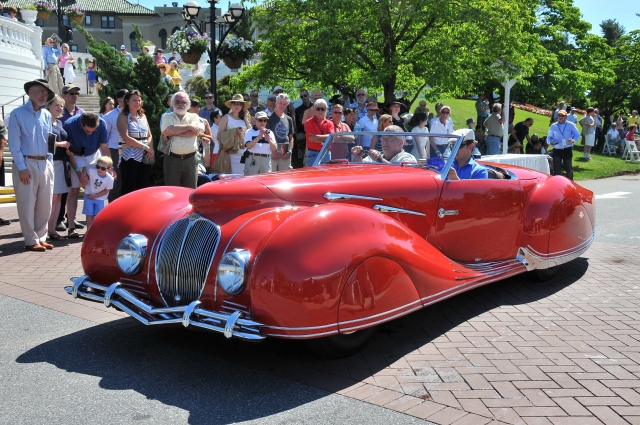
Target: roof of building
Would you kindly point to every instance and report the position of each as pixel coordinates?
(120, 7)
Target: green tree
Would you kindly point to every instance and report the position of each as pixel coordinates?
(388, 45)
(612, 30)
(564, 69)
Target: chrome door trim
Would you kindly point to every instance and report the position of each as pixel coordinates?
(340, 196)
(386, 208)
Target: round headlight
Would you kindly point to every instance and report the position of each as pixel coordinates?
(131, 252)
(232, 271)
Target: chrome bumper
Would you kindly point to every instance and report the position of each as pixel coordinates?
(231, 325)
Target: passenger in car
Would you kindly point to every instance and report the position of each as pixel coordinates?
(464, 166)
(392, 152)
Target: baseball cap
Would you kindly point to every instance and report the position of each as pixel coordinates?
(121, 93)
(271, 96)
(69, 87)
(123, 47)
(573, 109)
(260, 114)
(276, 88)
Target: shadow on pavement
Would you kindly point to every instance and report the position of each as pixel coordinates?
(184, 368)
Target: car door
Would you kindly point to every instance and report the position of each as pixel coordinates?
(479, 220)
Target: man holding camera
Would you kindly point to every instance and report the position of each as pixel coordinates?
(87, 135)
(50, 53)
(260, 142)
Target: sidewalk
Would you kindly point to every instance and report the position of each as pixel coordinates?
(519, 352)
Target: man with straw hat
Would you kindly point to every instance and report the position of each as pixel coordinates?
(29, 130)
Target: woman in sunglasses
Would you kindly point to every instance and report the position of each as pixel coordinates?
(259, 142)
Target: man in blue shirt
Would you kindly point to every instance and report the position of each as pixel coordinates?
(464, 166)
(562, 135)
(86, 131)
(50, 54)
(208, 108)
(29, 128)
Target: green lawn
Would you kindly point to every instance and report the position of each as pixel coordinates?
(600, 166)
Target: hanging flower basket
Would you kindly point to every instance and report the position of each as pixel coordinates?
(191, 57)
(76, 19)
(43, 15)
(233, 63)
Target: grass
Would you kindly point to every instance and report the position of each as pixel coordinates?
(600, 166)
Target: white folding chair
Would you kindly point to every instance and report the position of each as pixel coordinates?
(633, 152)
(609, 147)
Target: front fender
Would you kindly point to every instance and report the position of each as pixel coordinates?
(128, 215)
(298, 278)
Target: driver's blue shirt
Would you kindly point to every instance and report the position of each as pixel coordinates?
(472, 170)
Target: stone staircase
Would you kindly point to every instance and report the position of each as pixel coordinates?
(86, 102)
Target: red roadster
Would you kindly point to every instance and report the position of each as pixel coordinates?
(328, 252)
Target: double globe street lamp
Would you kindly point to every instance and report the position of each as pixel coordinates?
(190, 12)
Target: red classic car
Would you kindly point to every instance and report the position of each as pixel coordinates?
(328, 252)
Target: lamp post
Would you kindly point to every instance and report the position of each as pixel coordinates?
(190, 12)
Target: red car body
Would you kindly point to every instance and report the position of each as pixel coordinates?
(332, 249)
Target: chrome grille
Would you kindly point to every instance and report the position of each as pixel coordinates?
(184, 257)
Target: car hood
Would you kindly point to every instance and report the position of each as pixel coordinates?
(311, 184)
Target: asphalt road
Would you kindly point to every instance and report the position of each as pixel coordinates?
(617, 209)
(58, 369)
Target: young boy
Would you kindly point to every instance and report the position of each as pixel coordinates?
(97, 190)
(91, 76)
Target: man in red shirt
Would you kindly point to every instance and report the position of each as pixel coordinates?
(339, 147)
(317, 128)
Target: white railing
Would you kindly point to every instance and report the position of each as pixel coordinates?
(18, 38)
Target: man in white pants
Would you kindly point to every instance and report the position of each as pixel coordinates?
(50, 54)
(29, 128)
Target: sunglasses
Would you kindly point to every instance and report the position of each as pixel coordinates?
(321, 109)
(254, 95)
(337, 113)
(304, 95)
(445, 112)
(208, 97)
(75, 93)
(237, 103)
(99, 167)
(361, 95)
(261, 120)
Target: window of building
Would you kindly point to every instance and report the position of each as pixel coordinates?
(108, 21)
(39, 22)
(87, 20)
(134, 45)
(65, 20)
(163, 38)
(73, 47)
(174, 30)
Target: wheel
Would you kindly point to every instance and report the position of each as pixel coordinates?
(542, 275)
(341, 345)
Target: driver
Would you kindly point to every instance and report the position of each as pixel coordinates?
(392, 152)
(464, 166)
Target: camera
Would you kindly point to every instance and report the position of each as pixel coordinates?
(76, 150)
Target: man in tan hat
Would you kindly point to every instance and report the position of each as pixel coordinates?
(181, 164)
(29, 130)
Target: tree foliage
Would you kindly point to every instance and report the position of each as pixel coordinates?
(612, 30)
(389, 45)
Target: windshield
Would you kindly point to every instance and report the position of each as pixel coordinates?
(393, 148)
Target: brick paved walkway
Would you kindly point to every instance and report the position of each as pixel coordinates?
(520, 352)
